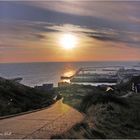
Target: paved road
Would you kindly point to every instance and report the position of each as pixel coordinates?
(42, 124)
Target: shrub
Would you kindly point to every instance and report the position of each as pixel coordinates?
(101, 98)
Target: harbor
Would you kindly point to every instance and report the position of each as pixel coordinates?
(99, 76)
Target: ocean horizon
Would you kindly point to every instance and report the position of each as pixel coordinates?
(38, 73)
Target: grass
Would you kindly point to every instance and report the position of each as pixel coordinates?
(16, 98)
(100, 98)
(108, 115)
(74, 94)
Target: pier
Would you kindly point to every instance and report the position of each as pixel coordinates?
(110, 75)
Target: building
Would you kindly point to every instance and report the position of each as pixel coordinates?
(45, 87)
(135, 83)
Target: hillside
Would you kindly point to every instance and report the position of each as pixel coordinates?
(107, 118)
(16, 98)
(74, 94)
(108, 114)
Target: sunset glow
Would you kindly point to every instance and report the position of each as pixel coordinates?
(68, 41)
(93, 31)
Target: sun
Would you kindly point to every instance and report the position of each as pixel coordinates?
(68, 41)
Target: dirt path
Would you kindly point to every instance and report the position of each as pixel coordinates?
(42, 124)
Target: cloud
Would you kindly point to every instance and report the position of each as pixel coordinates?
(91, 14)
(112, 10)
(101, 34)
(16, 32)
(36, 26)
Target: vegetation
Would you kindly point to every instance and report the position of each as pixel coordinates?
(101, 98)
(73, 94)
(16, 98)
(107, 114)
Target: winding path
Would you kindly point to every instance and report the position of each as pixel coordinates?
(41, 124)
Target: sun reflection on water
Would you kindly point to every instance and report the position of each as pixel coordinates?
(69, 70)
(67, 76)
(69, 73)
(66, 80)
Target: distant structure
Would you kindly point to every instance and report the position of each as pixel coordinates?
(110, 75)
(63, 84)
(108, 89)
(124, 75)
(45, 87)
(135, 83)
(96, 75)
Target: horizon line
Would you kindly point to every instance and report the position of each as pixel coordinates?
(70, 61)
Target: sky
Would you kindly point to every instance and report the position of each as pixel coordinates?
(36, 31)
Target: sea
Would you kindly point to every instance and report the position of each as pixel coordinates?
(39, 73)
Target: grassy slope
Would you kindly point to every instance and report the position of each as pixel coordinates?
(74, 94)
(16, 98)
(107, 114)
